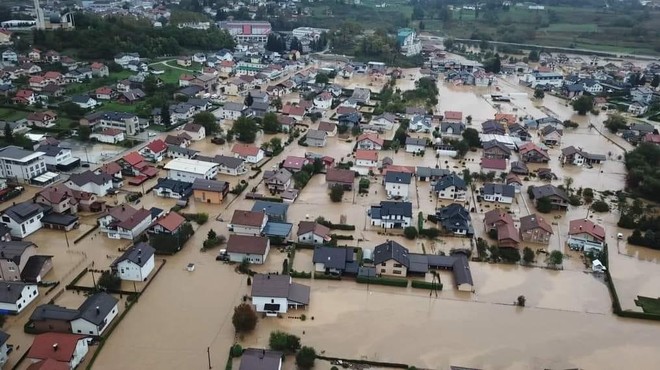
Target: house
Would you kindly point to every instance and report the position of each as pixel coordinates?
(430, 174)
(124, 58)
(275, 294)
(210, 191)
(513, 180)
(195, 131)
(248, 222)
(127, 122)
(519, 168)
(495, 218)
(557, 197)
(651, 139)
(131, 96)
(532, 153)
(294, 163)
(495, 149)
(370, 141)
(415, 145)
(275, 211)
(248, 153)
(154, 151)
(125, 222)
(261, 359)
(498, 193)
(278, 181)
(323, 100)
(109, 136)
(136, 263)
(349, 120)
(169, 224)
(335, 260)
(383, 122)
(391, 259)
(642, 94)
(25, 97)
(19, 261)
(420, 123)
(23, 218)
(230, 111)
(64, 200)
(90, 182)
(310, 232)
(190, 169)
(493, 127)
(168, 188)
(507, 236)
(452, 129)
(451, 187)
(637, 109)
(182, 140)
(113, 169)
(397, 184)
(20, 164)
(456, 219)
(9, 55)
(254, 249)
(58, 158)
(551, 135)
(95, 314)
(84, 101)
(361, 95)
(493, 165)
(578, 157)
(15, 296)
(366, 158)
(42, 119)
(391, 215)
(534, 229)
(341, 177)
(316, 138)
(104, 93)
(175, 151)
(58, 349)
(99, 70)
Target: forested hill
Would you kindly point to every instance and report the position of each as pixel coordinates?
(102, 38)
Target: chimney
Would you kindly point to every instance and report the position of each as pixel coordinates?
(8, 287)
(98, 310)
(139, 260)
(139, 251)
(268, 276)
(55, 345)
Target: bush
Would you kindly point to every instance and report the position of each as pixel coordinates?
(332, 226)
(492, 233)
(109, 281)
(300, 274)
(544, 205)
(430, 233)
(383, 281)
(510, 254)
(199, 218)
(555, 258)
(236, 350)
(528, 255)
(244, 318)
(410, 232)
(305, 358)
(323, 276)
(426, 285)
(337, 193)
(600, 206)
(285, 342)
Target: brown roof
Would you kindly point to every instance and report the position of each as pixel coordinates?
(248, 218)
(247, 244)
(110, 168)
(507, 231)
(586, 226)
(497, 215)
(294, 162)
(534, 221)
(58, 346)
(453, 115)
(306, 226)
(49, 364)
(171, 221)
(370, 155)
(122, 212)
(192, 127)
(135, 219)
(245, 150)
(493, 163)
(327, 126)
(371, 137)
(340, 175)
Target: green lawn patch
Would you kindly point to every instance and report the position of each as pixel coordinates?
(648, 305)
(9, 114)
(119, 107)
(568, 27)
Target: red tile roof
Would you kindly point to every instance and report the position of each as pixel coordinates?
(294, 162)
(111, 132)
(586, 226)
(248, 218)
(245, 150)
(43, 346)
(339, 175)
(509, 118)
(133, 158)
(171, 221)
(453, 115)
(49, 364)
(157, 146)
(369, 155)
(493, 163)
(104, 90)
(111, 168)
(371, 137)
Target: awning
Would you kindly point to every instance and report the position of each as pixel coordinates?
(45, 178)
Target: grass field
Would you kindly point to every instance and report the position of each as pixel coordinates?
(570, 28)
(119, 107)
(649, 305)
(8, 114)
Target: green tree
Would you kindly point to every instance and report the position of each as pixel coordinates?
(245, 129)
(277, 103)
(528, 255)
(165, 116)
(109, 281)
(544, 205)
(150, 84)
(555, 258)
(615, 122)
(521, 301)
(336, 193)
(533, 56)
(211, 235)
(305, 358)
(471, 137)
(418, 13)
(510, 254)
(207, 120)
(656, 81)
(539, 94)
(583, 104)
(643, 176)
(9, 134)
(600, 206)
(244, 318)
(269, 123)
(249, 100)
(281, 341)
(84, 132)
(410, 232)
(322, 78)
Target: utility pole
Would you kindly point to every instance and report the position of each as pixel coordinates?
(66, 237)
(208, 355)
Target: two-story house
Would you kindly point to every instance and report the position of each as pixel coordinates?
(136, 263)
(125, 222)
(579, 157)
(532, 153)
(59, 158)
(366, 158)
(391, 259)
(20, 164)
(23, 218)
(397, 184)
(451, 187)
(252, 248)
(248, 222)
(498, 193)
(496, 150)
(558, 198)
(535, 229)
(456, 219)
(391, 215)
(188, 170)
(248, 153)
(278, 181)
(90, 182)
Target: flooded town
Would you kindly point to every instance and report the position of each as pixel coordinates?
(255, 209)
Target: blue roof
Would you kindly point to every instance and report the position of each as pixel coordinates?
(281, 229)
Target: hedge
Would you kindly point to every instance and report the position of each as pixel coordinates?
(341, 237)
(300, 274)
(383, 281)
(332, 226)
(322, 276)
(426, 285)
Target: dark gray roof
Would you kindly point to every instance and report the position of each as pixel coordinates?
(391, 250)
(519, 167)
(457, 127)
(88, 176)
(13, 250)
(398, 177)
(454, 216)
(279, 286)
(415, 141)
(97, 307)
(180, 187)
(506, 190)
(387, 208)
(260, 359)
(211, 185)
(33, 268)
(430, 171)
(271, 208)
(450, 180)
(14, 152)
(139, 254)
(10, 291)
(59, 219)
(316, 134)
(495, 144)
(231, 106)
(53, 312)
(50, 150)
(23, 211)
(419, 263)
(222, 160)
(548, 190)
(182, 150)
(333, 257)
(80, 99)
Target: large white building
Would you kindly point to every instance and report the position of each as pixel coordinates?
(275, 294)
(553, 79)
(408, 42)
(247, 32)
(127, 122)
(23, 165)
(187, 170)
(136, 263)
(308, 32)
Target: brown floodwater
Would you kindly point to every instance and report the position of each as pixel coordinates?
(567, 321)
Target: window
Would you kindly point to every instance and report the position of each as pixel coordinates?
(398, 265)
(383, 271)
(383, 264)
(12, 268)
(396, 272)
(19, 306)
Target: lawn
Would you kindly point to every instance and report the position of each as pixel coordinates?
(8, 114)
(648, 305)
(568, 27)
(171, 75)
(119, 107)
